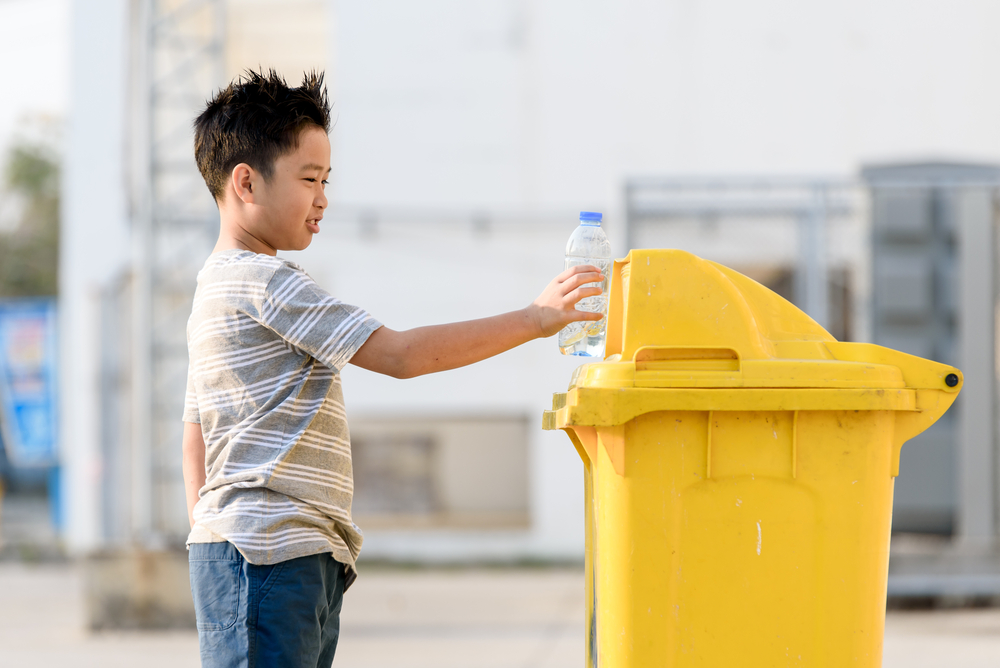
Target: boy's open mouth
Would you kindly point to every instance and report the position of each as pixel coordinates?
(313, 226)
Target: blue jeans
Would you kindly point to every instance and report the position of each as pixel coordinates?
(285, 614)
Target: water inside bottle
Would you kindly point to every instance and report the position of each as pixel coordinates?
(586, 338)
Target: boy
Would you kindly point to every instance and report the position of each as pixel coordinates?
(266, 451)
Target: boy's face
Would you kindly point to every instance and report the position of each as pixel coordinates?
(291, 202)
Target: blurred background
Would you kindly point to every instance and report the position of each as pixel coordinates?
(845, 154)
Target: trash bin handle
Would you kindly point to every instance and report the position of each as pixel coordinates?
(703, 357)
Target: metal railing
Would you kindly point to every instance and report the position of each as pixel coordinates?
(811, 203)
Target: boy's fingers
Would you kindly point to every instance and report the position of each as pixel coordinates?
(576, 281)
(582, 293)
(576, 270)
(588, 315)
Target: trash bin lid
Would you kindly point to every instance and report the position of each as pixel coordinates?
(678, 321)
(685, 334)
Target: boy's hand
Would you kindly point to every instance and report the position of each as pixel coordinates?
(556, 306)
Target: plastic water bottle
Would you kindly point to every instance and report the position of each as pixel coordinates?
(588, 245)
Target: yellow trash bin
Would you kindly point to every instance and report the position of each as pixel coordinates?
(739, 465)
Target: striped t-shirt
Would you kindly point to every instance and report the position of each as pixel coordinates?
(266, 346)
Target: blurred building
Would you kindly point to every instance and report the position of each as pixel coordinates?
(468, 136)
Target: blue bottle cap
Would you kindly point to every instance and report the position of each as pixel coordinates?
(591, 216)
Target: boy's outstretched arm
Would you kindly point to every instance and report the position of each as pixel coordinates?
(424, 350)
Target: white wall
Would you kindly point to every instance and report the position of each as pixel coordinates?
(550, 103)
(429, 103)
(532, 110)
(529, 111)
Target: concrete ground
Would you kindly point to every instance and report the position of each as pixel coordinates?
(475, 618)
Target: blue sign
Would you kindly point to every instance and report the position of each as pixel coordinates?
(28, 381)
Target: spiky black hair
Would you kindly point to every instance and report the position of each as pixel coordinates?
(256, 119)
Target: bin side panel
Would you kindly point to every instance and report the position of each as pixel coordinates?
(636, 519)
(845, 456)
(780, 557)
(747, 589)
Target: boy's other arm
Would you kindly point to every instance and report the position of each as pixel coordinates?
(193, 465)
(424, 350)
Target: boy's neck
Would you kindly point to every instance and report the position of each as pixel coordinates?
(236, 234)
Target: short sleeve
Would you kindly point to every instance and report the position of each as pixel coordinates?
(191, 413)
(309, 318)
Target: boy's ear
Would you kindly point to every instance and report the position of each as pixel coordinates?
(242, 180)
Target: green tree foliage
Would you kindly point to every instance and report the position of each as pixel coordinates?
(29, 251)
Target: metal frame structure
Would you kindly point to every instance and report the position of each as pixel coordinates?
(966, 200)
(810, 202)
(179, 46)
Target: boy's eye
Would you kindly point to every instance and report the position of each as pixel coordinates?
(326, 183)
